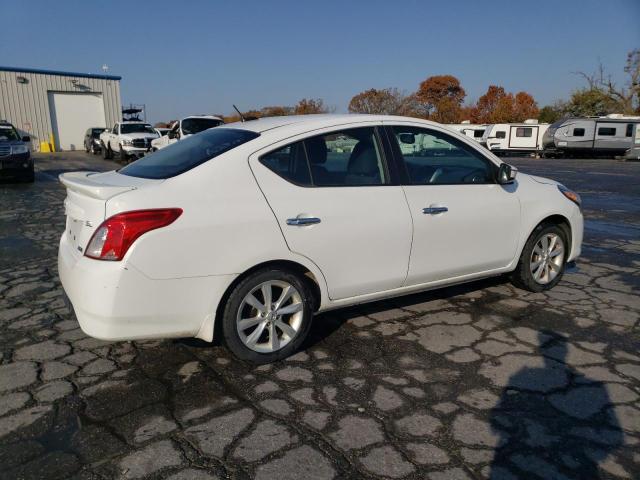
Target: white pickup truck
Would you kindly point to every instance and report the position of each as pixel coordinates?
(127, 140)
(185, 127)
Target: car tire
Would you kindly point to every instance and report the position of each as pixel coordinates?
(86, 149)
(288, 339)
(105, 151)
(123, 155)
(541, 269)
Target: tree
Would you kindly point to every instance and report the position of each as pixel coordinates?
(309, 106)
(591, 102)
(524, 107)
(387, 101)
(622, 99)
(441, 98)
(276, 111)
(495, 106)
(552, 113)
(500, 106)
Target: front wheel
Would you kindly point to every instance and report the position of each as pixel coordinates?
(267, 316)
(543, 259)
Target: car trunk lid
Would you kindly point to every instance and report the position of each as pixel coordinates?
(87, 196)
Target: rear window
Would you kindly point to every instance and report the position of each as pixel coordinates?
(188, 153)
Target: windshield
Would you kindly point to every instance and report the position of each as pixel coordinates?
(188, 153)
(196, 125)
(136, 128)
(8, 134)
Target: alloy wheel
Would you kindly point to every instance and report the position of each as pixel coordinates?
(547, 258)
(270, 316)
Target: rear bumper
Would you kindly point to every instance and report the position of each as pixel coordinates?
(114, 301)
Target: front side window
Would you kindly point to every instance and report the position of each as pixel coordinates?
(501, 134)
(524, 132)
(478, 133)
(197, 125)
(435, 158)
(136, 128)
(578, 132)
(607, 131)
(180, 157)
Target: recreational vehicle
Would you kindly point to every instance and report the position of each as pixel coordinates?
(504, 138)
(593, 136)
(472, 130)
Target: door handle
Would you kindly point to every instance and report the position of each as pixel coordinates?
(302, 221)
(434, 210)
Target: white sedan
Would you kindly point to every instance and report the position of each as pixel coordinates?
(249, 229)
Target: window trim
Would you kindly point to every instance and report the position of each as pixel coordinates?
(614, 134)
(390, 172)
(402, 164)
(524, 130)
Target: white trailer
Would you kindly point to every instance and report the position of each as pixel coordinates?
(471, 130)
(509, 138)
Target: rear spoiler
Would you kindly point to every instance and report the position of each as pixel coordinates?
(81, 182)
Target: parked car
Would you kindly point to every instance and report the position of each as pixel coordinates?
(127, 140)
(15, 154)
(185, 127)
(92, 140)
(253, 227)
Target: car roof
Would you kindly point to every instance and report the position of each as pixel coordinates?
(317, 121)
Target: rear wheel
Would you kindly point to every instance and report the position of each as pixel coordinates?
(267, 316)
(105, 152)
(543, 259)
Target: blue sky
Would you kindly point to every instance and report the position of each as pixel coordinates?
(199, 56)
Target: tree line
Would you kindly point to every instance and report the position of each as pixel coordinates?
(441, 98)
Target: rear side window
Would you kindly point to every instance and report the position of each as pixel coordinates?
(339, 159)
(524, 132)
(290, 163)
(607, 131)
(478, 133)
(501, 134)
(578, 132)
(188, 153)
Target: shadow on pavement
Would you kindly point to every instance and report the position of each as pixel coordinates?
(552, 422)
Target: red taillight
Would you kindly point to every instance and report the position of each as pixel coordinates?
(116, 234)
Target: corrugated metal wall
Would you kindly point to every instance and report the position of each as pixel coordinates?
(26, 105)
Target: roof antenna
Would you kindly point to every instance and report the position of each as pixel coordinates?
(239, 113)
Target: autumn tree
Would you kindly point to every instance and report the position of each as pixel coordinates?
(524, 107)
(441, 98)
(308, 106)
(552, 113)
(276, 111)
(387, 101)
(591, 102)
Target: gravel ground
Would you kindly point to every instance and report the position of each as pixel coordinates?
(479, 381)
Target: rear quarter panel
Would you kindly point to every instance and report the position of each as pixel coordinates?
(226, 227)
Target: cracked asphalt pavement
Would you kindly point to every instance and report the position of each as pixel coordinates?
(477, 381)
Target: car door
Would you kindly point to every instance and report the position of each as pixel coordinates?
(464, 222)
(339, 204)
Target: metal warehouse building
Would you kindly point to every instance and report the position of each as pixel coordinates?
(41, 103)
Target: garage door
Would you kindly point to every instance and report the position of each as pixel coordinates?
(72, 114)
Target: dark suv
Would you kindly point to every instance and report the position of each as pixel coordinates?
(92, 140)
(15, 155)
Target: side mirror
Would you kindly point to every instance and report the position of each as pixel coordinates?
(26, 138)
(506, 174)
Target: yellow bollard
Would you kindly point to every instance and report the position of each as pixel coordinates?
(45, 147)
(52, 144)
